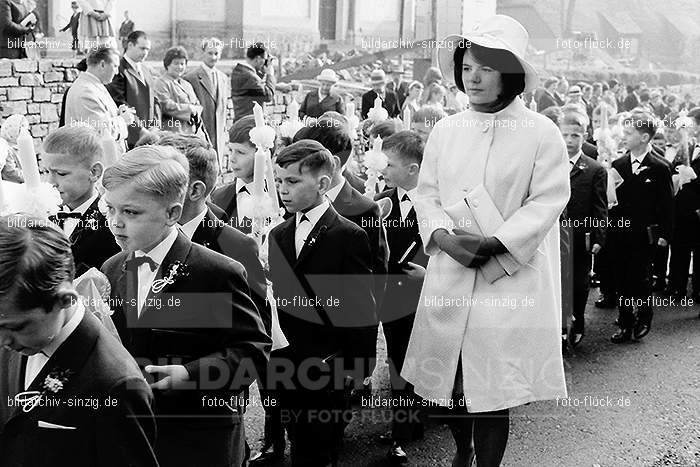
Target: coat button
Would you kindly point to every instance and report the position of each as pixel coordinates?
(475, 203)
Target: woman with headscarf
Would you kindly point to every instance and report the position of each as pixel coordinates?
(494, 180)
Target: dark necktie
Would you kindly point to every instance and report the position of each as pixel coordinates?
(134, 263)
(61, 217)
(405, 197)
(244, 189)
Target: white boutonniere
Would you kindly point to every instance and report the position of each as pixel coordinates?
(175, 271)
(642, 169)
(53, 384)
(92, 221)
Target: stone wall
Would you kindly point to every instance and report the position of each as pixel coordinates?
(35, 89)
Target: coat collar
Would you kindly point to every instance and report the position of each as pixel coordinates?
(208, 231)
(288, 229)
(204, 79)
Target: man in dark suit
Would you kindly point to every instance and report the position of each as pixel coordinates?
(133, 86)
(125, 29)
(632, 99)
(12, 33)
(547, 98)
(389, 100)
(586, 214)
(320, 265)
(397, 85)
(68, 389)
(642, 219)
(316, 103)
(407, 264)
(183, 311)
(74, 158)
(211, 87)
(73, 24)
(252, 81)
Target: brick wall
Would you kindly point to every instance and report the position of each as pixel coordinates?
(35, 89)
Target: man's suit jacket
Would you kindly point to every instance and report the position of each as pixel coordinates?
(631, 101)
(390, 103)
(546, 100)
(402, 291)
(365, 213)
(99, 369)
(401, 93)
(247, 88)
(91, 241)
(588, 201)
(645, 199)
(89, 101)
(335, 265)
(311, 107)
(687, 203)
(220, 237)
(215, 326)
(214, 104)
(127, 88)
(11, 32)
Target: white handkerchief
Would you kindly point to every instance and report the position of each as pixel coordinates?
(52, 426)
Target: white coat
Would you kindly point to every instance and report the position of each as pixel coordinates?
(508, 330)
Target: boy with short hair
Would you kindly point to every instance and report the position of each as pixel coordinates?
(53, 348)
(73, 156)
(644, 210)
(182, 310)
(407, 262)
(320, 265)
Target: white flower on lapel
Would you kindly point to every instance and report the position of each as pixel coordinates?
(641, 169)
(175, 270)
(53, 384)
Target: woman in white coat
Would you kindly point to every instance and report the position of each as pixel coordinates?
(493, 183)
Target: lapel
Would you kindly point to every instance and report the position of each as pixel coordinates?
(626, 166)
(82, 227)
(578, 167)
(127, 292)
(129, 69)
(178, 253)
(395, 204)
(286, 240)
(16, 366)
(206, 83)
(344, 198)
(327, 220)
(207, 233)
(70, 356)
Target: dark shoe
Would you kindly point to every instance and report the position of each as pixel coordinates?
(269, 454)
(605, 302)
(397, 456)
(642, 327)
(576, 332)
(623, 335)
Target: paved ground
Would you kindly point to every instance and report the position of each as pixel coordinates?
(650, 417)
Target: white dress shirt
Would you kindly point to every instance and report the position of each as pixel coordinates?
(36, 362)
(136, 66)
(211, 73)
(333, 193)
(405, 205)
(69, 224)
(636, 165)
(304, 228)
(190, 227)
(145, 275)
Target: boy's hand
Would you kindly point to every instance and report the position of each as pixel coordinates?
(416, 271)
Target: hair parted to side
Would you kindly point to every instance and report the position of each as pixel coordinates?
(256, 50)
(202, 159)
(512, 72)
(429, 115)
(333, 137)
(214, 42)
(240, 131)
(384, 129)
(643, 122)
(311, 155)
(406, 144)
(160, 171)
(103, 53)
(81, 142)
(571, 114)
(134, 37)
(36, 259)
(174, 53)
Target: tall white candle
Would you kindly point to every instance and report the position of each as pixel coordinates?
(258, 113)
(293, 110)
(407, 118)
(27, 159)
(350, 109)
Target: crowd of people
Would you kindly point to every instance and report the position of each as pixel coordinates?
(479, 201)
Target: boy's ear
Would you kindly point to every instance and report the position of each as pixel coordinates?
(196, 191)
(174, 213)
(324, 184)
(66, 296)
(96, 171)
(414, 168)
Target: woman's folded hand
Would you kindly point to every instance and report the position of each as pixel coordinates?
(470, 250)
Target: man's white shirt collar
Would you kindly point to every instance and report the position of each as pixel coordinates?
(159, 251)
(86, 205)
(333, 193)
(190, 227)
(575, 158)
(315, 214)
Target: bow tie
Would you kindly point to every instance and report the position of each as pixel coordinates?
(405, 198)
(636, 161)
(136, 262)
(303, 218)
(244, 189)
(63, 215)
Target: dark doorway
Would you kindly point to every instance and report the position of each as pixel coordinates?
(326, 19)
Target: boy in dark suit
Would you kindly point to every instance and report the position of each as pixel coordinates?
(73, 156)
(407, 262)
(641, 220)
(68, 389)
(320, 264)
(183, 311)
(389, 100)
(73, 24)
(586, 213)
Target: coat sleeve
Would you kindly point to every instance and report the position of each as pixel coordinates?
(429, 210)
(88, 108)
(303, 107)
(168, 104)
(9, 27)
(117, 88)
(549, 191)
(599, 204)
(664, 202)
(126, 431)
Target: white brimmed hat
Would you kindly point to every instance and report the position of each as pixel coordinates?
(496, 32)
(327, 75)
(377, 76)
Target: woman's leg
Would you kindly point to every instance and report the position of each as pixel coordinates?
(490, 437)
(461, 428)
